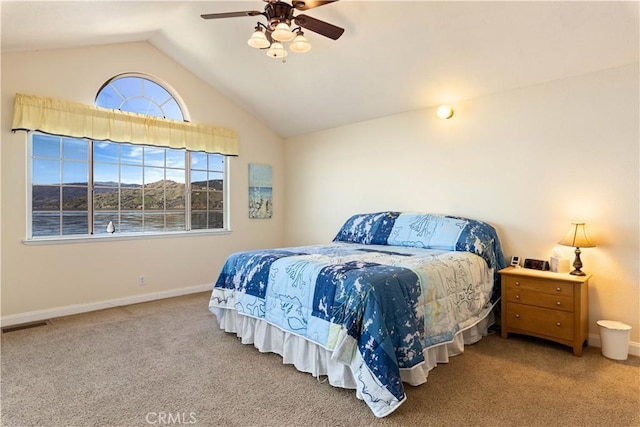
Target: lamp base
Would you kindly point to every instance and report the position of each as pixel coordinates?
(577, 265)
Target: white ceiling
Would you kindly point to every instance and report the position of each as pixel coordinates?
(393, 57)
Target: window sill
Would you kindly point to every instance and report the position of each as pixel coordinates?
(119, 237)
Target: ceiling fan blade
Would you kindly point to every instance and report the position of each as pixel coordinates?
(310, 4)
(230, 14)
(318, 26)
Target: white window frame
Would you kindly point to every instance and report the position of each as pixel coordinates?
(43, 240)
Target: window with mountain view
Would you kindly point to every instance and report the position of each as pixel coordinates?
(80, 186)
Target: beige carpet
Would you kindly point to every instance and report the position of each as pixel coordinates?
(167, 363)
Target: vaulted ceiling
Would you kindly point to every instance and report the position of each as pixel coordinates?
(393, 57)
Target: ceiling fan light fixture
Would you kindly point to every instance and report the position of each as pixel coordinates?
(277, 50)
(284, 26)
(258, 40)
(282, 32)
(300, 44)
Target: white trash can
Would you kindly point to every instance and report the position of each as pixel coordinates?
(614, 339)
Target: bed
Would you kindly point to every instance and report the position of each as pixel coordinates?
(393, 295)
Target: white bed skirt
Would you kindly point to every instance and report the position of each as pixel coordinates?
(316, 360)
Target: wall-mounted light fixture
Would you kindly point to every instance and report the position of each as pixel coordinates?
(445, 112)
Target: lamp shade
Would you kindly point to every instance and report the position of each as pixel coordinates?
(282, 33)
(300, 44)
(277, 50)
(577, 236)
(258, 40)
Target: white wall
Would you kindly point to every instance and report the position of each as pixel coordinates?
(54, 278)
(528, 161)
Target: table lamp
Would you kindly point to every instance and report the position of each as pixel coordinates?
(577, 237)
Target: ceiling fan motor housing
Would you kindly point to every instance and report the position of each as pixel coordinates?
(278, 12)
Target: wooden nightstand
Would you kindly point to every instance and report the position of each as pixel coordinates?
(553, 306)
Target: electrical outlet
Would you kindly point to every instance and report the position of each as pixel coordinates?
(141, 281)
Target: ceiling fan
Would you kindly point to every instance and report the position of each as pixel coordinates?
(278, 31)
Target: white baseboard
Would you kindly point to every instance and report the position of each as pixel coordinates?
(634, 347)
(39, 315)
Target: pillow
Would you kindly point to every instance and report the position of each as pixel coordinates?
(431, 231)
(482, 239)
(426, 231)
(368, 229)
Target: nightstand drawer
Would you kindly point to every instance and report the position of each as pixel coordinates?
(542, 286)
(552, 323)
(555, 302)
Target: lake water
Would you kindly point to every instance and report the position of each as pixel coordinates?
(77, 223)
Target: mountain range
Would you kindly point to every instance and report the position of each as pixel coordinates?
(106, 196)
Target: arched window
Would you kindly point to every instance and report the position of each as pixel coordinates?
(137, 94)
(86, 187)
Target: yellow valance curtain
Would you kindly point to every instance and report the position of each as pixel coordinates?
(36, 113)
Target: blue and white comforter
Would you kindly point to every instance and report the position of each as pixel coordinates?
(375, 307)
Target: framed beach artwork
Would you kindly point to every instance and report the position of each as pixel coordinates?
(260, 191)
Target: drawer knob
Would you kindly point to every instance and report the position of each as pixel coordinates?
(517, 296)
(558, 303)
(517, 283)
(558, 324)
(558, 289)
(517, 316)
